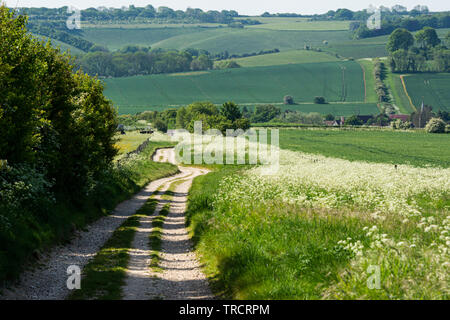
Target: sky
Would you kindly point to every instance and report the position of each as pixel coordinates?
(246, 7)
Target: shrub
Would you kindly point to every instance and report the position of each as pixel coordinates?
(435, 125)
(288, 100)
(400, 125)
(447, 128)
(160, 125)
(230, 64)
(353, 121)
(319, 100)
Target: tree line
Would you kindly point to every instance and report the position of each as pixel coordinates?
(134, 14)
(57, 146)
(135, 60)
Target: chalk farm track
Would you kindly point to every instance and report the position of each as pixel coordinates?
(180, 275)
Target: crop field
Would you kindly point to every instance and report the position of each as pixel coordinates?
(61, 45)
(400, 98)
(299, 24)
(239, 41)
(383, 146)
(336, 81)
(116, 38)
(285, 57)
(367, 65)
(433, 89)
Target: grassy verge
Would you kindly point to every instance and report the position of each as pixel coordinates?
(275, 237)
(260, 252)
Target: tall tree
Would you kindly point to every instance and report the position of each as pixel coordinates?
(400, 39)
(230, 111)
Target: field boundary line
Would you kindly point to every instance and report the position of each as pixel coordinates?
(406, 92)
(364, 79)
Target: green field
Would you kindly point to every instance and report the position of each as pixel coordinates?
(299, 24)
(239, 41)
(400, 99)
(367, 65)
(383, 146)
(116, 38)
(432, 88)
(286, 57)
(336, 81)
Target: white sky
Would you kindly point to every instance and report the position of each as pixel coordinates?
(249, 7)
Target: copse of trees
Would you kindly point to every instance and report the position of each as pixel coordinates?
(228, 116)
(134, 60)
(405, 57)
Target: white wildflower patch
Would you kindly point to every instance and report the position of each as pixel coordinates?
(409, 264)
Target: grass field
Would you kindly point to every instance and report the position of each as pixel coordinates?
(367, 65)
(400, 98)
(61, 45)
(383, 146)
(250, 40)
(130, 141)
(116, 38)
(432, 88)
(286, 57)
(242, 85)
(299, 24)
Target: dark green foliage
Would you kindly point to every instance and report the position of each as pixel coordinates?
(288, 100)
(265, 113)
(229, 64)
(56, 148)
(319, 100)
(134, 60)
(400, 39)
(160, 125)
(427, 37)
(403, 57)
(228, 116)
(135, 14)
(353, 121)
(230, 111)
